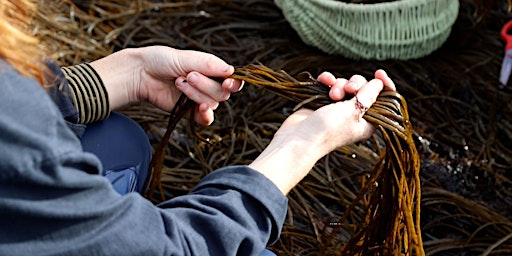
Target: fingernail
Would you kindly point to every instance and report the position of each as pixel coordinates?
(242, 85)
(230, 86)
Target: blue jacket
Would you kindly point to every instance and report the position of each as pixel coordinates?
(54, 202)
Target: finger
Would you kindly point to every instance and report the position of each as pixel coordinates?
(364, 98)
(195, 94)
(208, 86)
(327, 78)
(368, 94)
(354, 84)
(337, 91)
(382, 75)
(204, 63)
(233, 85)
(204, 115)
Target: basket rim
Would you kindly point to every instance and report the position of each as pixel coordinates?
(361, 7)
(322, 23)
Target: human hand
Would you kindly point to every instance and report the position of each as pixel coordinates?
(158, 74)
(341, 123)
(308, 135)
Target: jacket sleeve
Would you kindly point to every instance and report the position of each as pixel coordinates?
(53, 202)
(79, 93)
(87, 92)
(235, 197)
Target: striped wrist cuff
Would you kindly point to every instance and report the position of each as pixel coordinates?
(87, 92)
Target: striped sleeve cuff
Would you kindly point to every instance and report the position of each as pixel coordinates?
(88, 93)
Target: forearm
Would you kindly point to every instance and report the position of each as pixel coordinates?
(160, 74)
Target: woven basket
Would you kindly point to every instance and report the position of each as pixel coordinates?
(401, 29)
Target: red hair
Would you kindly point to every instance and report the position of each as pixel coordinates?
(19, 46)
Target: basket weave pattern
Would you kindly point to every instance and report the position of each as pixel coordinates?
(403, 29)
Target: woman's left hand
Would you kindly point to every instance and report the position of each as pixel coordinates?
(158, 74)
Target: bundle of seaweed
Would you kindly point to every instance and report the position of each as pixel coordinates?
(391, 194)
(393, 190)
(461, 115)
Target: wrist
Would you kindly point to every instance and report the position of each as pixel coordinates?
(120, 73)
(286, 162)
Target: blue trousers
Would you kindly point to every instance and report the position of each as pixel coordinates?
(125, 153)
(124, 150)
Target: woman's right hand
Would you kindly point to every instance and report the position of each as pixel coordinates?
(306, 135)
(341, 123)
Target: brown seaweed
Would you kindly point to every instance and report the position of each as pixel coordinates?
(392, 192)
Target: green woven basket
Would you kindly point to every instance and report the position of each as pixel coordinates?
(401, 29)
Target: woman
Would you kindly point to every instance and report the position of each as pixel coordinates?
(53, 200)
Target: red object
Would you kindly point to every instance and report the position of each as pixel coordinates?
(506, 34)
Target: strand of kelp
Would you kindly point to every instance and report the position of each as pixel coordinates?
(183, 105)
(392, 194)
